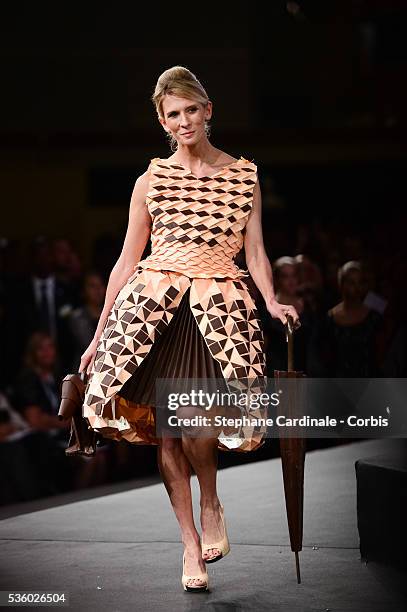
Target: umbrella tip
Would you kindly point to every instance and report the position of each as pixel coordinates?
(297, 567)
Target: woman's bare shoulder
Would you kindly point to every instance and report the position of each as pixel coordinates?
(228, 159)
(225, 158)
(144, 178)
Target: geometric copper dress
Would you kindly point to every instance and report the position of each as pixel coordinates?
(185, 304)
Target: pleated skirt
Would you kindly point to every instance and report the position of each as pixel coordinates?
(180, 352)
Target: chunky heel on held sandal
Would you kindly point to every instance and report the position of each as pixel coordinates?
(200, 587)
(223, 544)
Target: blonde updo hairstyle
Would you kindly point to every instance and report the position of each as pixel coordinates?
(179, 81)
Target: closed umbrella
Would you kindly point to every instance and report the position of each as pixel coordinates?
(292, 449)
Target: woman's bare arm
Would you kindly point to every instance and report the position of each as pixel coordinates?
(137, 235)
(258, 263)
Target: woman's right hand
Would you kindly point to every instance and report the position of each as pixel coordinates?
(88, 357)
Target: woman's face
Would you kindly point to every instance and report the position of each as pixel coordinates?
(185, 119)
(288, 279)
(354, 285)
(46, 353)
(94, 290)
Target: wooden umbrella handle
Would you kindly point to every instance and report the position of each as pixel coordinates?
(289, 332)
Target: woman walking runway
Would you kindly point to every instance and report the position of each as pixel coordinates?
(184, 312)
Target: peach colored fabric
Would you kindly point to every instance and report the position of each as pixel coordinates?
(198, 222)
(187, 251)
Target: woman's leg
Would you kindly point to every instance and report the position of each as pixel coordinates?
(202, 453)
(175, 470)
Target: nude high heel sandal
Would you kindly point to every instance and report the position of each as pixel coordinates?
(223, 544)
(199, 588)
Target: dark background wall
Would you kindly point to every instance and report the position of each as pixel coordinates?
(314, 92)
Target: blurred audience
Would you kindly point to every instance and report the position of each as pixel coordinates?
(288, 290)
(11, 422)
(36, 391)
(82, 321)
(40, 301)
(68, 266)
(345, 284)
(345, 339)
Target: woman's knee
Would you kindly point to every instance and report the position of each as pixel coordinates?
(170, 444)
(196, 423)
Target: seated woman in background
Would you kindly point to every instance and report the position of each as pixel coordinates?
(37, 398)
(346, 337)
(36, 392)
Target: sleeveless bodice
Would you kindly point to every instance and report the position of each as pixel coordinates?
(198, 222)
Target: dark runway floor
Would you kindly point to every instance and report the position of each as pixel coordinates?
(120, 549)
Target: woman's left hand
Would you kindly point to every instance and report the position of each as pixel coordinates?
(279, 311)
